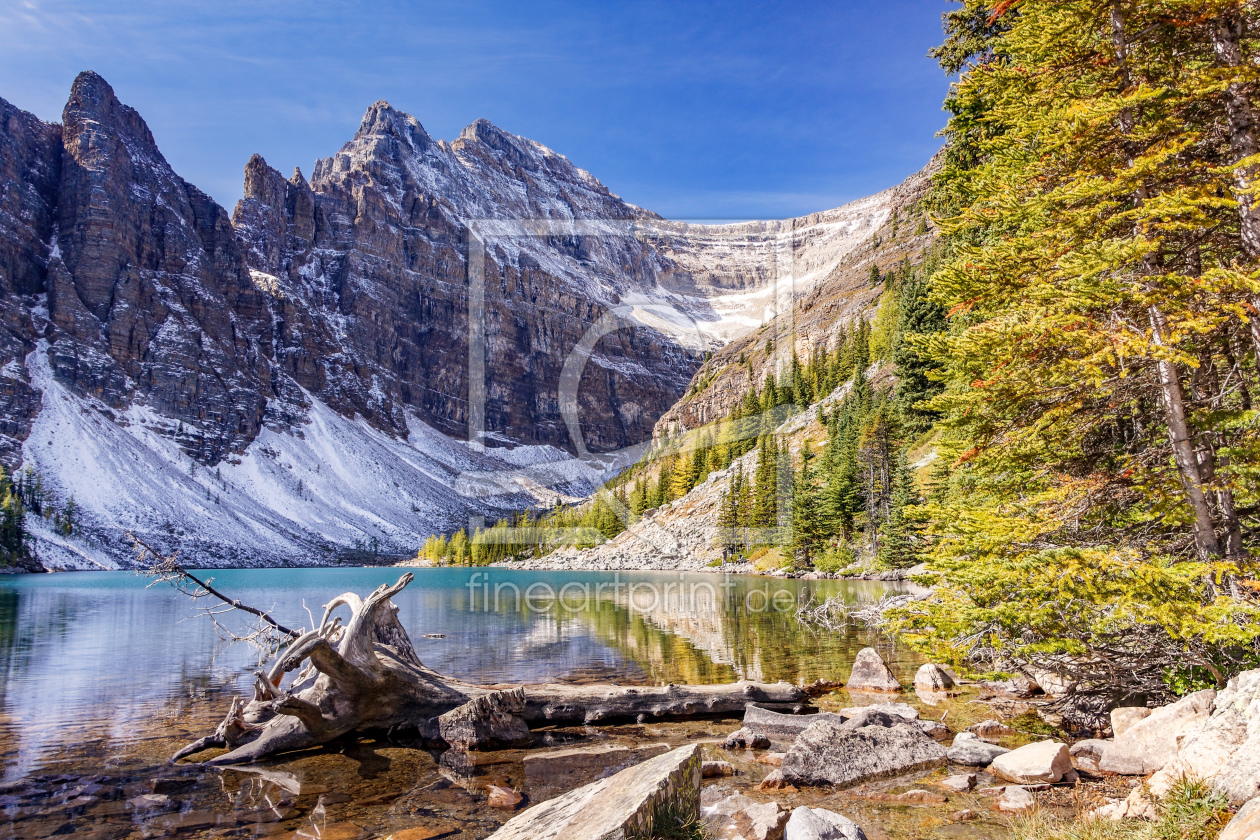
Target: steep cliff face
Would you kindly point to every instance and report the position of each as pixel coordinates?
(30, 175)
(832, 291)
(295, 380)
(370, 265)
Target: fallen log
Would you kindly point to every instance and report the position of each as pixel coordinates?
(365, 675)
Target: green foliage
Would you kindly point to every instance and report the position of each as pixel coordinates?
(671, 821)
(1099, 447)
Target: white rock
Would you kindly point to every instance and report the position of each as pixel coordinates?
(1015, 800)
(821, 824)
(612, 807)
(1044, 762)
(1152, 742)
(1126, 717)
(1246, 823)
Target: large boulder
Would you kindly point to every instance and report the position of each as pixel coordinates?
(1152, 742)
(1225, 748)
(551, 773)
(612, 808)
(1245, 825)
(870, 673)
(821, 824)
(1045, 762)
(972, 752)
(834, 754)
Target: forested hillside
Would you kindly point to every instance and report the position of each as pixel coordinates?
(1095, 513)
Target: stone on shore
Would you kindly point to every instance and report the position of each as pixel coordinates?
(931, 677)
(974, 752)
(934, 729)
(830, 753)
(611, 808)
(1226, 749)
(991, 730)
(901, 710)
(960, 783)
(1246, 823)
(1045, 762)
(1086, 755)
(716, 769)
(490, 721)
(1015, 800)
(821, 824)
(1125, 718)
(1152, 742)
(870, 673)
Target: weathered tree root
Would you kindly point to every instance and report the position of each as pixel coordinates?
(366, 675)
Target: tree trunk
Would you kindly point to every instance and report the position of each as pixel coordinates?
(366, 675)
(1183, 446)
(1166, 370)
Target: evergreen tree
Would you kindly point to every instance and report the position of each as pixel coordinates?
(765, 511)
(807, 529)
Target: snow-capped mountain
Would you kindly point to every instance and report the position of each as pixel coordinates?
(296, 380)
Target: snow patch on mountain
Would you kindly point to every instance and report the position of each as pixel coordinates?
(292, 497)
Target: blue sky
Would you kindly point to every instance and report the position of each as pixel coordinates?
(692, 109)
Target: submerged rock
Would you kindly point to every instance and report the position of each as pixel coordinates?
(551, 773)
(821, 824)
(615, 806)
(870, 673)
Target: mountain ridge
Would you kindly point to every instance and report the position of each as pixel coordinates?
(210, 340)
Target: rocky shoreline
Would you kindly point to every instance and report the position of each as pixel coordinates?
(870, 751)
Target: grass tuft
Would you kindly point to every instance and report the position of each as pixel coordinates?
(670, 821)
(1190, 811)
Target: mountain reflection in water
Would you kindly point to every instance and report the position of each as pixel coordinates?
(103, 675)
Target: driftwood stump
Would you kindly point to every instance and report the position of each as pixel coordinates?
(365, 675)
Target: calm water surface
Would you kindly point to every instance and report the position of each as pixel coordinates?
(102, 676)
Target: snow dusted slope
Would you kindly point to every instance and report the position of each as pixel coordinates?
(290, 497)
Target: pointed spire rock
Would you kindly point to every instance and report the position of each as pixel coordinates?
(870, 673)
(93, 110)
(264, 183)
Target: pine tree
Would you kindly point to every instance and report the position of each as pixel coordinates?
(898, 540)
(765, 510)
(807, 529)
